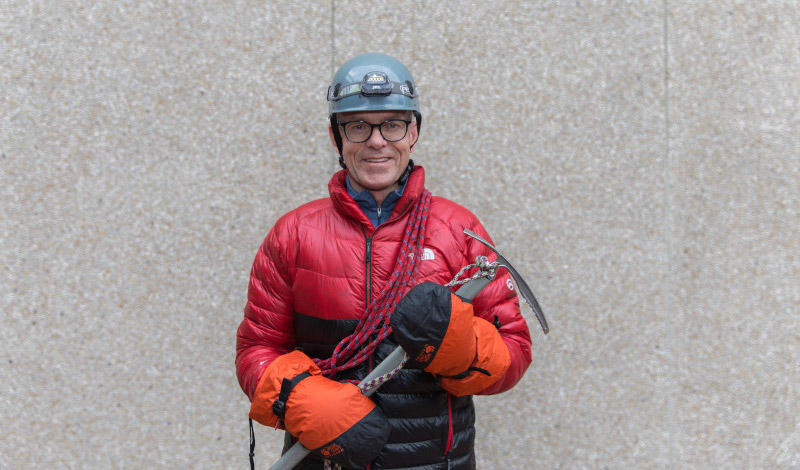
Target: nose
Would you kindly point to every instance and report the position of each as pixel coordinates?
(376, 140)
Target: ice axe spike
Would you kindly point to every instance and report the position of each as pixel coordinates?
(522, 286)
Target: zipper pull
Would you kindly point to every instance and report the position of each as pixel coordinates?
(369, 250)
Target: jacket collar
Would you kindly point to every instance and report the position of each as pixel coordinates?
(344, 203)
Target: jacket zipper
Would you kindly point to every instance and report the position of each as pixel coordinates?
(368, 299)
(368, 289)
(449, 444)
(368, 264)
(368, 260)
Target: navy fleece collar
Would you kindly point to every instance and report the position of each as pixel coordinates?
(370, 207)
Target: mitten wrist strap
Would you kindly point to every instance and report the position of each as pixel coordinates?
(279, 406)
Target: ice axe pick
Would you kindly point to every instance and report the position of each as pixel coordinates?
(522, 286)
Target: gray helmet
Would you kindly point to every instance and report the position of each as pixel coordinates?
(371, 82)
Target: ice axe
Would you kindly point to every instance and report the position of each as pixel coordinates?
(397, 358)
(522, 286)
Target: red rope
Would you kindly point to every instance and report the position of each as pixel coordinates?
(354, 349)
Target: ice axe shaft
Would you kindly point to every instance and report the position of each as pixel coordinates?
(298, 451)
(468, 291)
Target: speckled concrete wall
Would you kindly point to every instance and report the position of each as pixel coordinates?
(639, 162)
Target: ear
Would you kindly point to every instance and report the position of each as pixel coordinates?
(413, 133)
(333, 140)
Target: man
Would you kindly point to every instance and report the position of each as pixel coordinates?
(339, 282)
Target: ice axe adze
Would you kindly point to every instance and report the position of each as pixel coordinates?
(397, 357)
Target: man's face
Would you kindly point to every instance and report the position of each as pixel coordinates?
(377, 164)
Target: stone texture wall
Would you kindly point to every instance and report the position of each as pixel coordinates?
(638, 161)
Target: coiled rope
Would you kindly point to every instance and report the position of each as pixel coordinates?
(374, 325)
(355, 349)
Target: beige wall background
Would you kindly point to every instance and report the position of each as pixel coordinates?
(638, 161)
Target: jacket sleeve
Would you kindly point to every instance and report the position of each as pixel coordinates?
(498, 302)
(267, 330)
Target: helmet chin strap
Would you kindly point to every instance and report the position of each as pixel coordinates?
(404, 176)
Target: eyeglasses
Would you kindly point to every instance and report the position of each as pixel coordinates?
(360, 131)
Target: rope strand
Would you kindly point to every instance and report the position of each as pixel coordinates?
(355, 348)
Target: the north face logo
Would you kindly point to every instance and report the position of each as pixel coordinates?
(425, 355)
(331, 450)
(427, 253)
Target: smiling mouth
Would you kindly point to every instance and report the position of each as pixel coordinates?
(377, 160)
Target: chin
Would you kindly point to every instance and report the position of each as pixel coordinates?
(380, 185)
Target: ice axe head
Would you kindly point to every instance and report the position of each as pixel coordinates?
(522, 286)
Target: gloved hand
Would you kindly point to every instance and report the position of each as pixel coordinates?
(492, 360)
(334, 420)
(439, 332)
(434, 327)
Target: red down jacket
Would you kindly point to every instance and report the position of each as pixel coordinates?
(312, 278)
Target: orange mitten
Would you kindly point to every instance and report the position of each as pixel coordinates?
(492, 360)
(334, 420)
(434, 327)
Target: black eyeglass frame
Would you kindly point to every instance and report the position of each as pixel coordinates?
(407, 122)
